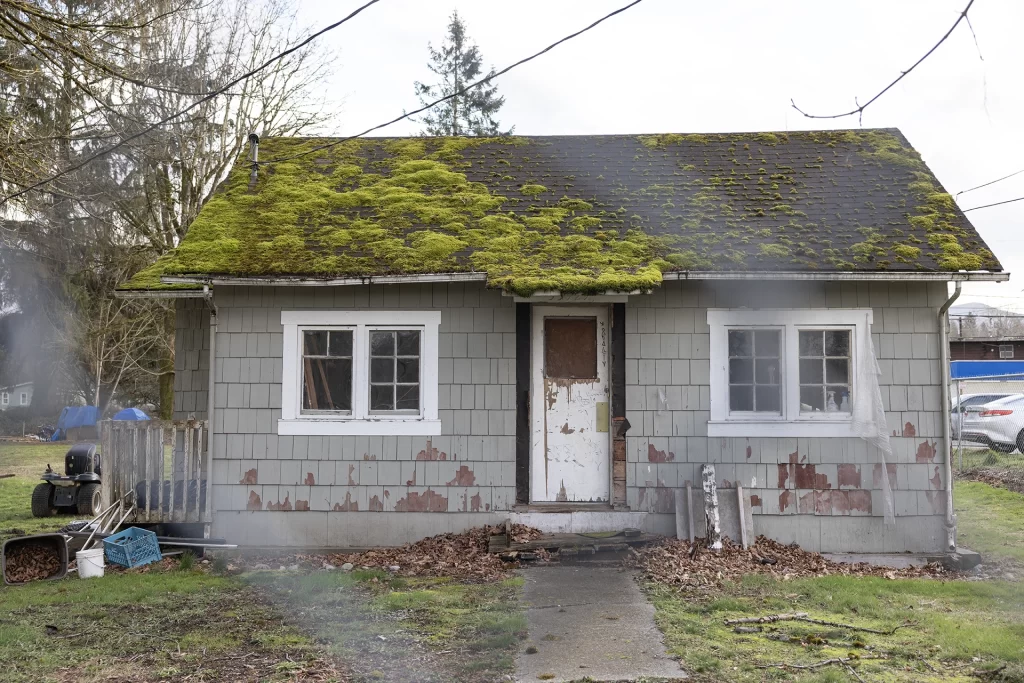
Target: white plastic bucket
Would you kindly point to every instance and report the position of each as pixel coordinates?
(90, 563)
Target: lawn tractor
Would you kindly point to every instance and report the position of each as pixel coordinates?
(76, 491)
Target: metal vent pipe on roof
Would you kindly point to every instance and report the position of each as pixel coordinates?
(254, 151)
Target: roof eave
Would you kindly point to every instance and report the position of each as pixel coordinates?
(300, 281)
(158, 294)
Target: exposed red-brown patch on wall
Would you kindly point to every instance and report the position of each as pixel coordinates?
(654, 455)
(936, 481)
(301, 505)
(310, 481)
(860, 500)
(422, 502)
(431, 453)
(909, 430)
(375, 505)
(937, 500)
(805, 503)
(848, 475)
(283, 506)
(475, 502)
(876, 475)
(463, 477)
(783, 475)
(840, 503)
(823, 502)
(369, 457)
(412, 482)
(926, 451)
(562, 496)
(755, 501)
(348, 506)
(351, 469)
(750, 452)
(249, 477)
(785, 500)
(254, 502)
(807, 477)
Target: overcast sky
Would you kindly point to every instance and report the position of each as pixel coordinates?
(732, 65)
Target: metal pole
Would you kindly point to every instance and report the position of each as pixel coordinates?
(960, 421)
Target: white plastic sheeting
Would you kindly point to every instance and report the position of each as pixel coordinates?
(869, 416)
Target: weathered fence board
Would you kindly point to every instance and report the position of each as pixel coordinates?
(162, 464)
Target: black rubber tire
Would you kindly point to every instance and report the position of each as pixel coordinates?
(90, 500)
(1020, 441)
(42, 501)
(1006, 448)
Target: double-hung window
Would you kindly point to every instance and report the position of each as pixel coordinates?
(5, 398)
(360, 373)
(787, 372)
(24, 398)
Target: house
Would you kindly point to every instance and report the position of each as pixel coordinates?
(16, 395)
(410, 336)
(981, 332)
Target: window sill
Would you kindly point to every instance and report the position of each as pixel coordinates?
(804, 428)
(349, 427)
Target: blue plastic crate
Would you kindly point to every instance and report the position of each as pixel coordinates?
(132, 547)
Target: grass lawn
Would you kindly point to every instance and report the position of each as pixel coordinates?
(990, 520)
(403, 630)
(27, 463)
(957, 627)
(982, 457)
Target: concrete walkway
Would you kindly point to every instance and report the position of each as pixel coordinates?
(590, 621)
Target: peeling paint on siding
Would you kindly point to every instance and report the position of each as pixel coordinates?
(430, 501)
(301, 505)
(375, 505)
(431, 453)
(283, 506)
(310, 481)
(463, 477)
(848, 475)
(909, 430)
(876, 475)
(249, 477)
(254, 502)
(351, 469)
(936, 481)
(926, 451)
(348, 506)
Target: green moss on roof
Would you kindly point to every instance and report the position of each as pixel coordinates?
(580, 214)
(148, 279)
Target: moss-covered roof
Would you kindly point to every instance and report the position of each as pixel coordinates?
(580, 213)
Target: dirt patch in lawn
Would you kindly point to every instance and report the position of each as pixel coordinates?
(1006, 478)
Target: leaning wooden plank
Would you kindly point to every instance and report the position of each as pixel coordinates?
(743, 516)
(682, 514)
(711, 518)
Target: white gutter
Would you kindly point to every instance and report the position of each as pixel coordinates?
(158, 294)
(947, 436)
(299, 281)
(208, 297)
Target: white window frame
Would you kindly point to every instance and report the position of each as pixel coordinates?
(791, 422)
(5, 398)
(1005, 351)
(360, 421)
(24, 398)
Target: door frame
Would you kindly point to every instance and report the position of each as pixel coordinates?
(535, 420)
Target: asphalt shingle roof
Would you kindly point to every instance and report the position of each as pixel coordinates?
(580, 213)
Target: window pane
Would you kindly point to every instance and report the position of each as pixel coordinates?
(811, 343)
(812, 398)
(834, 397)
(315, 343)
(766, 343)
(409, 343)
(341, 343)
(810, 371)
(570, 348)
(408, 397)
(766, 371)
(740, 343)
(741, 371)
(327, 384)
(837, 370)
(382, 370)
(768, 398)
(741, 398)
(382, 397)
(408, 370)
(837, 343)
(382, 343)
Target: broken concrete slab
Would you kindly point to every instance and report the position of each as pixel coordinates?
(587, 621)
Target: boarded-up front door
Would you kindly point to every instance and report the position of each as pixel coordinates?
(569, 405)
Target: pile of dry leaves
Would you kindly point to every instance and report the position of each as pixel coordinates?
(462, 556)
(31, 561)
(1007, 478)
(682, 563)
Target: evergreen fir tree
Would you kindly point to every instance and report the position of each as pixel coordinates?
(457, 64)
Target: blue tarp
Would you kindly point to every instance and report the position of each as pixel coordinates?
(75, 416)
(967, 369)
(133, 414)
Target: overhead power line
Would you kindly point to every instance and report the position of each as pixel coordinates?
(102, 153)
(991, 182)
(455, 94)
(859, 109)
(985, 206)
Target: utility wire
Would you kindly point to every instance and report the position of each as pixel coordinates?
(985, 206)
(859, 110)
(171, 117)
(463, 90)
(991, 182)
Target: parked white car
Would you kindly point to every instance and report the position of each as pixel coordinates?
(998, 424)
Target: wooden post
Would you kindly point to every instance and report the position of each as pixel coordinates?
(714, 527)
(743, 516)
